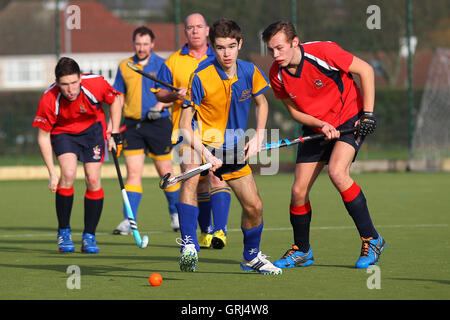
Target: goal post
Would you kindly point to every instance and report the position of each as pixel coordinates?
(431, 139)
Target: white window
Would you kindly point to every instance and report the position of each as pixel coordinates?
(23, 73)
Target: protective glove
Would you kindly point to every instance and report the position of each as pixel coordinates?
(153, 114)
(118, 141)
(367, 124)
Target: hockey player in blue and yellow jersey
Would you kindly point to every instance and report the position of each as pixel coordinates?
(218, 100)
(148, 123)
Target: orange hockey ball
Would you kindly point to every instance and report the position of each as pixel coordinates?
(155, 279)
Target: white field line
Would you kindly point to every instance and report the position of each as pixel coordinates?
(393, 226)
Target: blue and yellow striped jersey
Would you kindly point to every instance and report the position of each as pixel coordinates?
(223, 104)
(136, 88)
(176, 71)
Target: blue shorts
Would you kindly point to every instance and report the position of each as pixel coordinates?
(317, 151)
(88, 145)
(153, 137)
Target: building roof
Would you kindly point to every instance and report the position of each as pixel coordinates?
(29, 28)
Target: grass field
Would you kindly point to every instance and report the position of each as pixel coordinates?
(411, 211)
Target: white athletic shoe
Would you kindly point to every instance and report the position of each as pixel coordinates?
(189, 257)
(260, 264)
(174, 222)
(123, 228)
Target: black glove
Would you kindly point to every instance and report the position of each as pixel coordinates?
(118, 141)
(367, 124)
(153, 114)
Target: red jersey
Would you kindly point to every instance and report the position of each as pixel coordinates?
(322, 86)
(59, 115)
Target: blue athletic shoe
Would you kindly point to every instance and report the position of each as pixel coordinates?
(89, 244)
(65, 242)
(295, 258)
(371, 250)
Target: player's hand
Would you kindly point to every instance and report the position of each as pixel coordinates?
(366, 124)
(252, 147)
(330, 131)
(215, 162)
(117, 142)
(181, 93)
(53, 182)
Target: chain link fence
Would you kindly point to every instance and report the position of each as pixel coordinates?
(372, 30)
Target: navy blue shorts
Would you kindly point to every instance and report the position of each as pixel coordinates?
(88, 145)
(153, 137)
(316, 151)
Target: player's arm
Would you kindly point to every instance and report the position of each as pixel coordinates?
(262, 111)
(115, 116)
(168, 96)
(367, 123)
(367, 76)
(310, 121)
(187, 114)
(164, 94)
(45, 146)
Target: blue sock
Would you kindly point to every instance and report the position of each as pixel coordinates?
(188, 216)
(204, 215)
(172, 200)
(252, 239)
(220, 205)
(134, 196)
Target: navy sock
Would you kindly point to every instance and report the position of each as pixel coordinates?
(64, 202)
(93, 205)
(301, 221)
(356, 205)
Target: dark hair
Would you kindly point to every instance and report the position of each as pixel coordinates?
(66, 66)
(143, 30)
(286, 26)
(225, 28)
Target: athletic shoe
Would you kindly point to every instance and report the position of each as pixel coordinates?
(260, 264)
(174, 222)
(123, 228)
(89, 244)
(189, 257)
(371, 250)
(65, 243)
(204, 241)
(219, 240)
(295, 258)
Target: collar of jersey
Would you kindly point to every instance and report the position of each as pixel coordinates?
(185, 50)
(300, 66)
(222, 73)
(136, 61)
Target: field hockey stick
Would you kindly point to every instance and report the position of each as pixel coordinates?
(141, 242)
(149, 76)
(168, 181)
(289, 142)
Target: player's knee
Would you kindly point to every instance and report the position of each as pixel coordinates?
(337, 176)
(92, 182)
(299, 194)
(203, 186)
(68, 176)
(253, 209)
